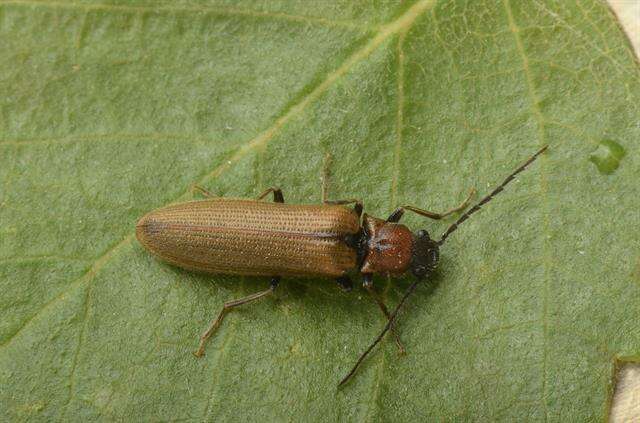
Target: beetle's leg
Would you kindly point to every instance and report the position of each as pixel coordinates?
(326, 173)
(367, 282)
(325, 188)
(202, 191)
(277, 194)
(397, 213)
(357, 207)
(345, 283)
(228, 306)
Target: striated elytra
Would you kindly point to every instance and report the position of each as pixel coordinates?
(274, 239)
(257, 238)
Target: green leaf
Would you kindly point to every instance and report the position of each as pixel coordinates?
(109, 110)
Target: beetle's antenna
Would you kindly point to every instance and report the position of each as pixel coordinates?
(390, 322)
(448, 232)
(489, 197)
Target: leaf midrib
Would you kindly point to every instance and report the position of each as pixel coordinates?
(546, 261)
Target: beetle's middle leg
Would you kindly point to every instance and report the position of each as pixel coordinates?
(397, 213)
(367, 282)
(230, 305)
(325, 188)
(277, 194)
(202, 191)
(344, 282)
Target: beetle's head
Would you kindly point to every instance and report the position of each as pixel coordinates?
(425, 254)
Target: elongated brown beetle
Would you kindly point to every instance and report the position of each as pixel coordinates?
(258, 238)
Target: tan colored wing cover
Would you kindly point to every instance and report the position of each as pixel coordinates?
(248, 237)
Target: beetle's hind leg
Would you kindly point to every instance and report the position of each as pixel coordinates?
(368, 285)
(397, 213)
(230, 305)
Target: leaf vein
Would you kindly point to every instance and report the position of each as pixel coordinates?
(399, 122)
(101, 137)
(217, 10)
(81, 336)
(87, 277)
(44, 257)
(537, 113)
(605, 53)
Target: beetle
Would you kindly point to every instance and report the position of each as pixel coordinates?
(275, 239)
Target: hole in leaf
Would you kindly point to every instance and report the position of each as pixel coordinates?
(625, 403)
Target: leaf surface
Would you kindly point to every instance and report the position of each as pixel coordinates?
(109, 110)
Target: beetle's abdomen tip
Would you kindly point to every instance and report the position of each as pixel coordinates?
(148, 227)
(141, 229)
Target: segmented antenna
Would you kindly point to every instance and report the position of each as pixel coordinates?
(448, 232)
(392, 318)
(489, 197)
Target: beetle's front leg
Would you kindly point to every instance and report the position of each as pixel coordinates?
(397, 213)
(367, 283)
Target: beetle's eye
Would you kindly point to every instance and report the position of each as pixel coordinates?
(422, 233)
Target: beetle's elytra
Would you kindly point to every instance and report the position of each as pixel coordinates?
(274, 239)
(248, 237)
